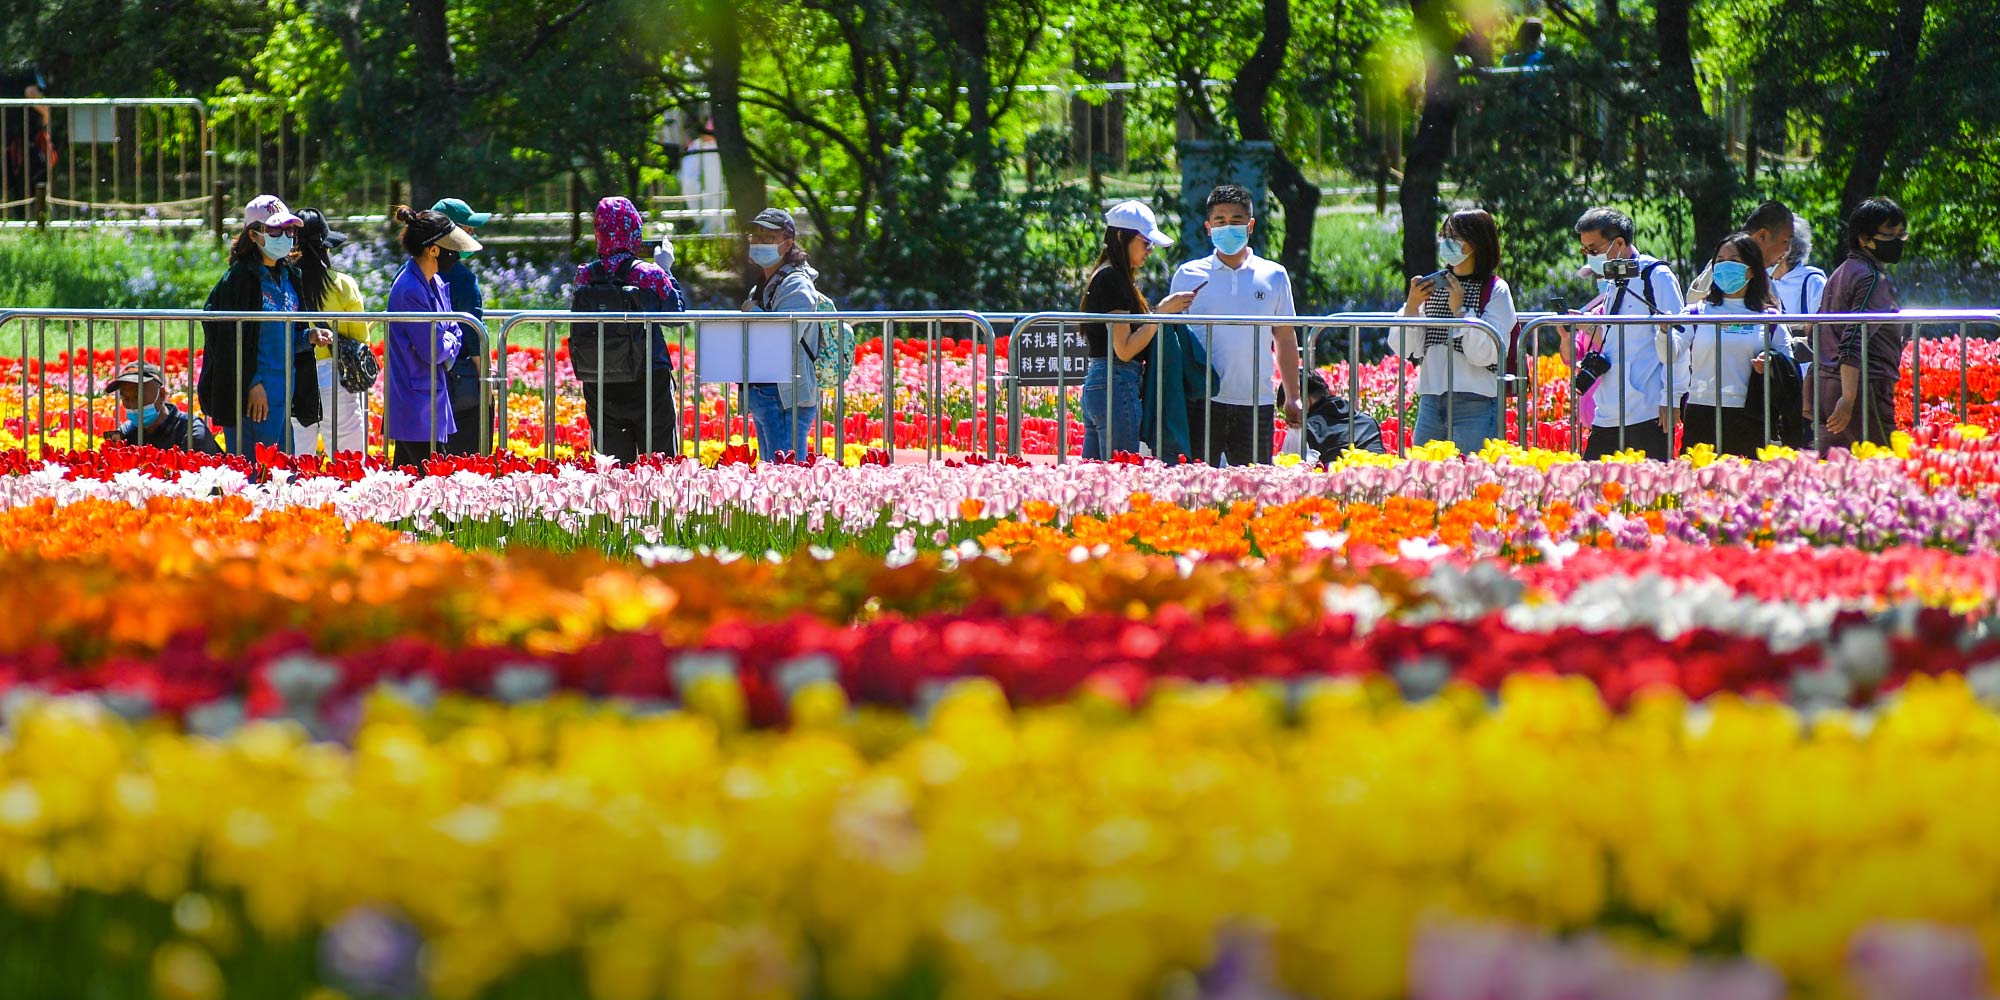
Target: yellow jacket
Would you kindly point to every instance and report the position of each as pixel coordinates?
(343, 295)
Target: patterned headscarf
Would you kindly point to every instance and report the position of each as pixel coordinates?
(618, 227)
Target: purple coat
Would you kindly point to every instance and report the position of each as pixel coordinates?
(416, 393)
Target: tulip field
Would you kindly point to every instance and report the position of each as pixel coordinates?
(1441, 727)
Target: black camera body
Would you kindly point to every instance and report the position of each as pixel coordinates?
(1622, 269)
(1589, 368)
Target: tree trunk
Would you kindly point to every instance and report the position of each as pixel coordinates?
(1424, 160)
(968, 23)
(725, 78)
(1882, 115)
(437, 108)
(1711, 178)
(1299, 196)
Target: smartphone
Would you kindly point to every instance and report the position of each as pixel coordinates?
(1436, 276)
(1557, 305)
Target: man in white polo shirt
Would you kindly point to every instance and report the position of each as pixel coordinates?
(1233, 281)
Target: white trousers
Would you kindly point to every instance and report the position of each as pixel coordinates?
(340, 411)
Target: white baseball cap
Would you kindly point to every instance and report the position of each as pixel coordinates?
(1136, 216)
(269, 210)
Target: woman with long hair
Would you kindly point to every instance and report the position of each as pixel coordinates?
(417, 417)
(1112, 384)
(344, 424)
(1715, 360)
(1458, 383)
(250, 370)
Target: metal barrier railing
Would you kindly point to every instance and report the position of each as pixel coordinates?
(1239, 335)
(738, 348)
(114, 176)
(117, 322)
(1867, 424)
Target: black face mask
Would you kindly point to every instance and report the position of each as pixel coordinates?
(1889, 252)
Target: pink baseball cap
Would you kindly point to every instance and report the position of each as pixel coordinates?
(269, 210)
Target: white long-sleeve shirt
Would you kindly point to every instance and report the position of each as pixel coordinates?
(1635, 388)
(1711, 360)
(1800, 289)
(1470, 370)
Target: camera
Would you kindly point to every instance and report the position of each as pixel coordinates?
(1622, 269)
(1589, 369)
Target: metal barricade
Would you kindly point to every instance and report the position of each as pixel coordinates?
(1237, 334)
(1677, 380)
(145, 156)
(729, 348)
(111, 328)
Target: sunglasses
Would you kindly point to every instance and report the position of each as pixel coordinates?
(259, 227)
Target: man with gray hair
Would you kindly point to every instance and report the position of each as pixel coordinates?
(1796, 284)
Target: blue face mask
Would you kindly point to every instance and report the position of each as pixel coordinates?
(764, 254)
(144, 416)
(1732, 276)
(1451, 252)
(1229, 240)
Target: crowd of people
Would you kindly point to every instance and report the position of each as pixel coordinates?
(300, 385)
(1719, 365)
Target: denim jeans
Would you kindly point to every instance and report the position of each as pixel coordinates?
(779, 429)
(1473, 419)
(1123, 430)
(274, 430)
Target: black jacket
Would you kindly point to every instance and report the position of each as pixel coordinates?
(178, 430)
(1788, 394)
(229, 351)
(1331, 429)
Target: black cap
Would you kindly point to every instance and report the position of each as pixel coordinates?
(777, 218)
(138, 373)
(313, 227)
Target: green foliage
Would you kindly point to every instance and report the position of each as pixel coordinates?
(132, 47)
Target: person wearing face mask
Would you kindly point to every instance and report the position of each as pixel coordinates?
(250, 370)
(1718, 361)
(466, 388)
(1114, 383)
(1458, 379)
(1849, 408)
(635, 413)
(1238, 421)
(416, 396)
(785, 413)
(1631, 399)
(1770, 224)
(150, 419)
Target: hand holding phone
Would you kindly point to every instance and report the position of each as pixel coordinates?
(1180, 301)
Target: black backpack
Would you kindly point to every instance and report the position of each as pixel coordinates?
(625, 351)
